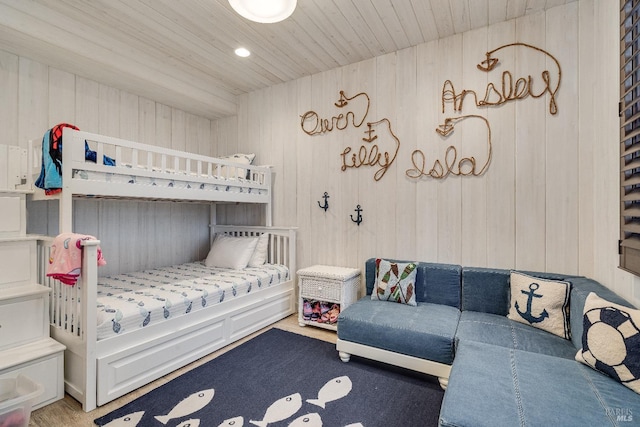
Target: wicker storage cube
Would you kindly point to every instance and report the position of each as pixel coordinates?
(327, 284)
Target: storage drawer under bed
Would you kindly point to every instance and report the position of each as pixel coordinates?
(123, 371)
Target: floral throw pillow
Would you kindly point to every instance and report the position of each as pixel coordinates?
(395, 281)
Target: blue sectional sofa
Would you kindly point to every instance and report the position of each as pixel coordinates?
(496, 371)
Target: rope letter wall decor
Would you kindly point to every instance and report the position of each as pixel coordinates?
(509, 90)
(370, 155)
(312, 124)
(367, 154)
(452, 166)
(522, 87)
(355, 110)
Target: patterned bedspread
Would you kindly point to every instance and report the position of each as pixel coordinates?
(136, 300)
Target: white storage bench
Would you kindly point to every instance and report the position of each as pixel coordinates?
(324, 291)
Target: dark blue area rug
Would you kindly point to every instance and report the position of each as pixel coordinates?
(284, 379)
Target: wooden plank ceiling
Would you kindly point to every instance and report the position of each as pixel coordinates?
(181, 52)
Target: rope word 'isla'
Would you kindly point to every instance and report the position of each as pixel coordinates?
(452, 166)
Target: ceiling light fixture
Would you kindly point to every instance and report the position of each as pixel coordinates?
(264, 11)
(242, 52)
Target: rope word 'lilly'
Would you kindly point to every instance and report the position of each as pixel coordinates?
(368, 154)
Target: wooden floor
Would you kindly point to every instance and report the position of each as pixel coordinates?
(68, 412)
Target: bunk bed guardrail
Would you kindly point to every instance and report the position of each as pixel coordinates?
(161, 173)
(145, 172)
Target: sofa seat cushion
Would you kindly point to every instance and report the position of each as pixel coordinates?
(426, 331)
(499, 330)
(497, 386)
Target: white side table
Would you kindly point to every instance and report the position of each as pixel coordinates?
(329, 288)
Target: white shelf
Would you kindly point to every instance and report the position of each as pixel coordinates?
(20, 292)
(25, 238)
(29, 352)
(14, 191)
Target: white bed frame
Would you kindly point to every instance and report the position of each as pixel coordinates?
(97, 372)
(148, 162)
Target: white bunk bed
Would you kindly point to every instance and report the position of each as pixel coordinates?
(100, 370)
(149, 172)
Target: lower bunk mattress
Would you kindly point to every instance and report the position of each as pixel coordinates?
(136, 300)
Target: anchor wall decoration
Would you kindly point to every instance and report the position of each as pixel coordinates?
(527, 315)
(326, 202)
(358, 218)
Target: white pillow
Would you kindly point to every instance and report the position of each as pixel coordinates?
(259, 256)
(231, 252)
(244, 159)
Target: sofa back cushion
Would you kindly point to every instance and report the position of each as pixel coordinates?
(487, 290)
(435, 283)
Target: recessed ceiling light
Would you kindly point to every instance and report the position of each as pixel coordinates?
(242, 52)
(266, 11)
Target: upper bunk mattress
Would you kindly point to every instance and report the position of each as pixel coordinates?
(137, 300)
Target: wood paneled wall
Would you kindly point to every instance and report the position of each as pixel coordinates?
(134, 235)
(548, 200)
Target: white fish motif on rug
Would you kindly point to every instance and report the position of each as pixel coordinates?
(233, 422)
(280, 410)
(308, 420)
(129, 420)
(188, 405)
(334, 389)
